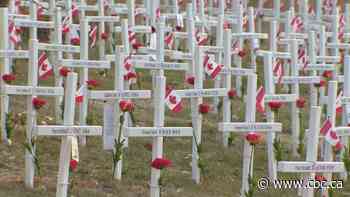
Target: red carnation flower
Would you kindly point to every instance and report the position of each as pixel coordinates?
(178, 28)
(242, 53)
(254, 138)
(275, 105)
(8, 78)
(136, 45)
(301, 102)
(126, 105)
(190, 80)
(64, 71)
(321, 84)
(104, 35)
(327, 74)
(130, 75)
(204, 108)
(160, 163)
(232, 93)
(75, 41)
(92, 84)
(73, 164)
(320, 178)
(338, 147)
(38, 103)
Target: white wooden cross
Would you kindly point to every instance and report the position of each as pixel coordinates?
(311, 165)
(114, 97)
(68, 132)
(227, 73)
(250, 126)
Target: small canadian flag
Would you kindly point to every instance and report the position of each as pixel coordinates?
(129, 72)
(339, 108)
(75, 10)
(74, 36)
(260, 100)
(172, 100)
(65, 24)
(297, 24)
(278, 70)
(330, 135)
(14, 36)
(211, 67)
(93, 36)
(202, 39)
(132, 37)
(79, 95)
(169, 40)
(45, 68)
(158, 13)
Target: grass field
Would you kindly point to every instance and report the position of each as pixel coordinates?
(93, 178)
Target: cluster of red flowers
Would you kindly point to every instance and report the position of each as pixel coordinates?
(104, 35)
(254, 138)
(301, 102)
(38, 103)
(126, 106)
(321, 84)
(73, 164)
(8, 78)
(92, 84)
(204, 108)
(190, 80)
(275, 105)
(232, 93)
(160, 163)
(64, 71)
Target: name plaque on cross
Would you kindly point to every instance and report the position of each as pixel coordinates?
(26, 90)
(158, 131)
(202, 93)
(290, 166)
(247, 127)
(300, 80)
(68, 130)
(126, 94)
(14, 53)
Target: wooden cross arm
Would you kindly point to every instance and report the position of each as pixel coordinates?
(237, 71)
(100, 19)
(18, 16)
(191, 93)
(317, 67)
(159, 65)
(141, 29)
(272, 18)
(330, 59)
(20, 54)
(304, 166)
(282, 55)
(87, 7)
(31, 23)
(292, 35)
(243, 127)
(178, 55)
(281, 97)
(59, 47)
(300, 80)
(338, 45)
(59, 130)
(249, 35)
(78, 63)
(29, 90)
(111, 95)
(342, 131)
(158, 131)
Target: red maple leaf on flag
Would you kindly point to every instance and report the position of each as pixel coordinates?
(172, 99)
